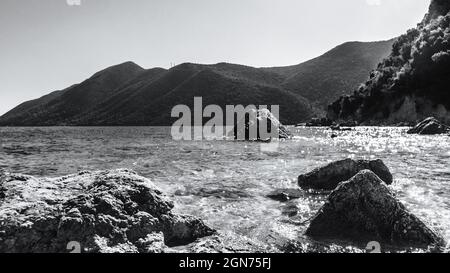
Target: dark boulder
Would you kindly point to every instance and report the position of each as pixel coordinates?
(106, 211)
(429, 126)
(275, 130)
(363, 209)
(329, 176)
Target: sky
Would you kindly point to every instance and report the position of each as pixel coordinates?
(48, 45)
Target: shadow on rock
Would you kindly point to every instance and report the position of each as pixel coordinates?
(363, 209)
(430, 126)
(329, 176)
(106, 211)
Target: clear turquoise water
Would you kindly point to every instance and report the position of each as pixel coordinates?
(226, 183)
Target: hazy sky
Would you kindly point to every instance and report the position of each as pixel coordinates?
(46, 45)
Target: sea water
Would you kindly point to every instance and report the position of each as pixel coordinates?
(225, 183)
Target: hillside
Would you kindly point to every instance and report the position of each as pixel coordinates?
(151, 103)
(412, 83)
(127, 94)
(326, 78)
(59, 107)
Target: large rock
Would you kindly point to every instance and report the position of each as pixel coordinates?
(242, 129)
(329, 176)
(429, 126)
(105, 211)
(363, 209)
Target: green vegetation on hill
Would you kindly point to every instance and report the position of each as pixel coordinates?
(412, 83)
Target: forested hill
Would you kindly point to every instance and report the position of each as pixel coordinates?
(127, 94)
(412, 83)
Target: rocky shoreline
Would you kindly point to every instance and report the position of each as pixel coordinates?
(118, 211)
(102, 212)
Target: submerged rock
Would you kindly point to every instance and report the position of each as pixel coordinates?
(229, 193)
(284, 195)
(363, 209)
(105, 211)
(329, 176)
(242, 131)
(429, 126)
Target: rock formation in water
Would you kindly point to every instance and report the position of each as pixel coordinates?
(363, 209)
(104, 211)
(429, 126)
(331, 175)
(250, 128)
(412, 83)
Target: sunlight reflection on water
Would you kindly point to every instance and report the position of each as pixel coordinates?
(225, 183)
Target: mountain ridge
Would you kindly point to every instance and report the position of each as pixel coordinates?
(347, 66)
(124, 94)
